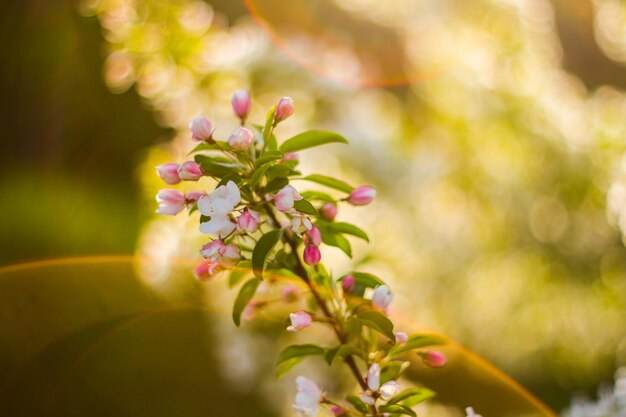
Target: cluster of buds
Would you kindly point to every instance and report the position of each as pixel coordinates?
(257, 219)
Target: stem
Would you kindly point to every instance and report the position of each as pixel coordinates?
(301, 271)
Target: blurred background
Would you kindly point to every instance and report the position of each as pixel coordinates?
(493, 129)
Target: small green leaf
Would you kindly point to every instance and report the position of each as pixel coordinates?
(205, 146)
(276, 184)
(417, 342)
(269, 125)
(397, 409)
(317, 196)
(215, 167)
(392, 370)
(263, 247)
(357, 403)
(268, 156)
(341, 352)
(377, 321)
(258, 174)
(246, 293)
(329, 182)
(231, 177)
(412, 396)
(333, 239)
(310, 139)
(280, 170)
(304, 206)
(348, 229)
(292, 355)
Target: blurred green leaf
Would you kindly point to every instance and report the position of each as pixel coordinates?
(412, 396)
(246, 293)
(348, 229)
(329, 182)
(263, 247)
(293, 354)
(417, 342)
(377, 321)
(310, 139)
(357, 403)
(304, 206)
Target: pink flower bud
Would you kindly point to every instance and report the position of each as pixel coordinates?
(241, 138)
(299, 320)
(170, 201)
(382, 297)
(290, 293)
(328, 211)
(206, 269)
(251, 310)
(347, 283)
(312, 255)
(291, 156)
(284, 109)
(193, 196)
(433, 358)
(241, 103)
(285, 198)
(190, 171)
(401, 338)
(362, 195)
(169, 173)
(337, 411)
(315, 235)
(201, 128)
(248, 221)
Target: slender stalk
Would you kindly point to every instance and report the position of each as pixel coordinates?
(302, 273)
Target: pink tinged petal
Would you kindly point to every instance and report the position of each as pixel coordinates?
(169, 173)
(367, 398)
(373, 377)
(190, 171)
(469, 411)
(328, 211)
(389, 389)
(205, 269)
(308, 397)
(337, 411)
(284, 109)
(170, 201)
(247, 222)
(291, 156)
(299, 320)
(348, 283)
(233, 194)
(192, 196)
(312, 254)
(283, 202)
(212, 249)
(229, 255)
(241, 139)
(251, 310)
(201, 128)
(315, 235)
(401, 338)
(433, 358)
(362, 195)
(382, 297)
(241, 103)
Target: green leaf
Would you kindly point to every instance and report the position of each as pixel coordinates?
(217, 168)
(417, 342)
(246, 293)
(280, 170)
(231, 177)
(258, 174)
(317, 196)
(268, 156)
(412, 396)
(263, 247)
(205, 146)
(348, 229)
(341, 352)
(269, 125)
(304, 206)
(329, 182)
(377, 321)
(357, 403)
(292, 355)
(333, 239)
(392, 370)
(397, 409)
(276, 184)
(310, 139)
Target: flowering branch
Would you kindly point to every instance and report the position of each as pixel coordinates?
(255, 210)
